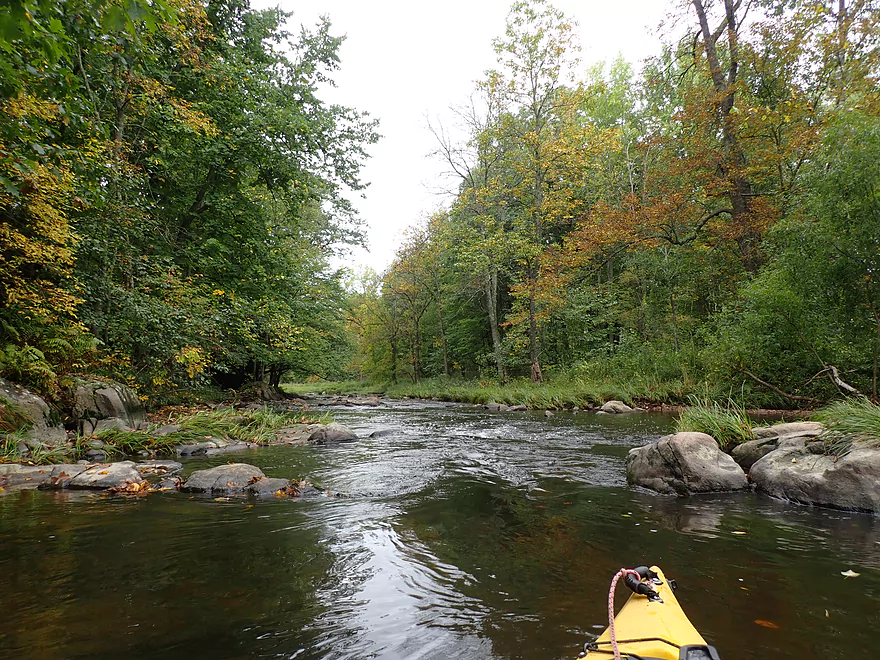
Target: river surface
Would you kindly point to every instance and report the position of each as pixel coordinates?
(465, 534)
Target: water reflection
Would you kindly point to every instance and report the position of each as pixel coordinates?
(466, 535)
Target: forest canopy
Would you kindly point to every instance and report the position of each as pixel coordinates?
(171, 189)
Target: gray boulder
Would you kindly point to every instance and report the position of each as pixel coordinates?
(94, 401)
(17, 402)
(331, 434)
(104, 476)
(795, 472)
(770, 438)
(684, 463)
(231, 479)
(747, 453)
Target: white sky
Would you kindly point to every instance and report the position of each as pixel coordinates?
(405, 60)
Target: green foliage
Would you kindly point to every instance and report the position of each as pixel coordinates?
(171, 187)
(729, 424)
(849, 421)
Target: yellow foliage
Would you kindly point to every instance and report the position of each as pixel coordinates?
(36, 239)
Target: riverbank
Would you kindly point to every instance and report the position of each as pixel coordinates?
(553, 394)
(548, 395)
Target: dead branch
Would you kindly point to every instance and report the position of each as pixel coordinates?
(793, 397)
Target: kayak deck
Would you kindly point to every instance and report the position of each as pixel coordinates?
(653, 629)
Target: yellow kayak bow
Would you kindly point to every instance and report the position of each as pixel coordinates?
(650, 626)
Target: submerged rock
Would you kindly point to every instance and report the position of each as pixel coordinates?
(684, 463)
(232, 479)
(331, 434)
(795, 472)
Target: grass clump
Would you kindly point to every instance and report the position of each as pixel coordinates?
(729, 424)
(848, 421)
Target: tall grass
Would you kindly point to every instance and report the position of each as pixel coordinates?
(848, 421)
(729, 424)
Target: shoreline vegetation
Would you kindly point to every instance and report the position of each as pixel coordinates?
(166, 431)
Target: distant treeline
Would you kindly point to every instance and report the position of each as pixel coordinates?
(715, 216)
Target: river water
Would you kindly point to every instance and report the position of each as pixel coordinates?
(464, 534)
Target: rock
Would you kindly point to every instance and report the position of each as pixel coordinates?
(100, 400)
(684, 463)
(617, 408)
(267, 487)
(794, 473)
(18, 404)
(332, 433)
(96, 455)
(167, 429)
(381, 433)
(770, 438)
(20, 477)
(575, 410)
(153, 469)
(747, 453)
(548, 413)
(112, 424)
(789, 429)
(517, 408)
(199, 449)
(231, 479)
(107, 475)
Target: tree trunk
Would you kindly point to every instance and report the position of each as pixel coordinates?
(739, 188)
(534, 356)
(491, 290)
(443, 337)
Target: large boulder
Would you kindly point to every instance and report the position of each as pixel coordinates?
(684, 463)
(797, 473)
(96, 401)
(771, 438)
(331, 434)
(19, 405)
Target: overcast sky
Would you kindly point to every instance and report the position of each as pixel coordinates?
(405, 61)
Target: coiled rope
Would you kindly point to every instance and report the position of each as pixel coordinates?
(622, 573)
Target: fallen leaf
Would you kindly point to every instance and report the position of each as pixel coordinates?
(794, 460)
(103, 472)
(739, 532)
(767, 624)
(849, 573)
(1, 489)
(827, 616)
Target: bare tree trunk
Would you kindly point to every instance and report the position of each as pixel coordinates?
(443, 337)
(491, 290)
(733, 162)
(534, 352)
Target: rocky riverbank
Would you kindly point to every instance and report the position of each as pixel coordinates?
(786, 461)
